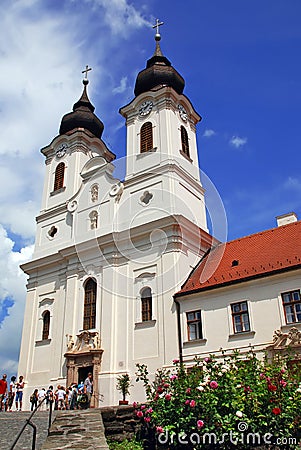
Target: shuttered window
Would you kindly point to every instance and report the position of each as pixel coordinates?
(90, 305)
(146, 137)
(46, 325)
(184, 140)
(59, 176)
(146, 304)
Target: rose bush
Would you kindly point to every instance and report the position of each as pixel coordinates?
(230, 397)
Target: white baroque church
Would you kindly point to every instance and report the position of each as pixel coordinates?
(110, 254)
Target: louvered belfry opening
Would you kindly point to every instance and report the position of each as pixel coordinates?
(184, 140)
(46, 325)
(90, 305)
(146, 137)
(146, 304)
(59, 176)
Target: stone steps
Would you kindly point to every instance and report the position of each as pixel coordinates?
(12, 422)
(78, 429)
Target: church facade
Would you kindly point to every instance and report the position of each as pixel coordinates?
(110, 253)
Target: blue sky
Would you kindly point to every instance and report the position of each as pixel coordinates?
(240, 61)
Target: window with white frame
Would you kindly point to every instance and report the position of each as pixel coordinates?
(240, 317)
(292, 306)
(194, 325)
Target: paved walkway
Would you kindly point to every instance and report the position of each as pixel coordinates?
(11, 423)
(79, 429)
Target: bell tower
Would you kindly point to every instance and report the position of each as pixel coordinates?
(161, 136)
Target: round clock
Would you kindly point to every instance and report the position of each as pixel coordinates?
(61, 151)
(182, 112)
(145, 108)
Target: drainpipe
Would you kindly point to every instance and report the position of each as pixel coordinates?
(179, 330)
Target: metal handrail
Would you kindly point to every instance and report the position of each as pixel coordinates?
(31, 424)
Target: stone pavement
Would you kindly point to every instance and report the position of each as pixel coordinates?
(12, 422)
(78, 429)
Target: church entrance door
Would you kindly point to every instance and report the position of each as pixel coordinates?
(83, 373)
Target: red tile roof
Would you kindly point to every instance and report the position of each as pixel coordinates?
(258, 255)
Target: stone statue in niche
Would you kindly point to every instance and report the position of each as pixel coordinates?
(94, 193)
(93, 220)
(70, 341)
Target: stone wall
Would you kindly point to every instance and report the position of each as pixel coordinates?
(119, 422)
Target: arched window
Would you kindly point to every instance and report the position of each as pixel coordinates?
(146, 137)
(46, 325)
(184, 140)
(59, 176)
(90, 305)
(146, 304)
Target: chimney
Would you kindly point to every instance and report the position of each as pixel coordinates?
(286, 218)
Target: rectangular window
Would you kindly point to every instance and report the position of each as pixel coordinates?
(240, 317)
(194, 325)
(292, 306)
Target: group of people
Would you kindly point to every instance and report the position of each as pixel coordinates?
(11, 393)
(76, 396)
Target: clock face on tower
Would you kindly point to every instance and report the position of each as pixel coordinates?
(145, 108)
(61, 150)
(182, 112)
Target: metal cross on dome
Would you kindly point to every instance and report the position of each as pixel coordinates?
(158, 24)
(87, 69)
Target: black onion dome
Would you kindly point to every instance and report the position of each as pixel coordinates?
(158, 72)
(82, 116)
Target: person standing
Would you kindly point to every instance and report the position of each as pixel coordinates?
(49, 397)
(34, 399)
(19, 393)
(11, 393)
(41, 398)
(3, 391)
(88, 387)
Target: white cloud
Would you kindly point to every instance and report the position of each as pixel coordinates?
(120, 16)
(293, 183)
(209, 133)
(237, 141)
(122, 86)
(12, 285)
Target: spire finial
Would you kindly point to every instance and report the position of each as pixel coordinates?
(85, 80)
(158, 24)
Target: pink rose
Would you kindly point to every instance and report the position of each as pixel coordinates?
(135, 404)
(188, 390)
(160, 389)
(176, 361)
(283, 383)
(173, 377)
(213, 384)
(187, 402)
(139, 414)
(168, 397)
(147, 419)
(143, 406)
(192, 404)
(166, 385)
(149, 410)
(200, 424)
(160, 430)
